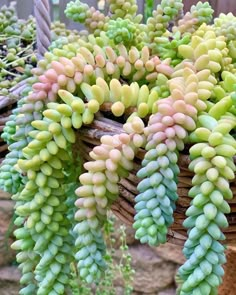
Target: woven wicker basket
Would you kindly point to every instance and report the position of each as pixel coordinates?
(89, 136)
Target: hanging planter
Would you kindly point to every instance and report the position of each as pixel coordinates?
(134, 118)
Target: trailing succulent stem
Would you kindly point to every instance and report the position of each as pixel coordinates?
(213, 165)
(166, 133)
(112, 160)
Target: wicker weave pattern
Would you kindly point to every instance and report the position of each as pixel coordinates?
(43, 23)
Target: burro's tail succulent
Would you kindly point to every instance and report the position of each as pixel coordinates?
(173, 91)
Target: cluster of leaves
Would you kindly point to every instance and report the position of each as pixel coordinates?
(17, 45)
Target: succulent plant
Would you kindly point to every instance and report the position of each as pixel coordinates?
(163, 102)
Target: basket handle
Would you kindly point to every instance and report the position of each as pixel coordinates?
(43, 26)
